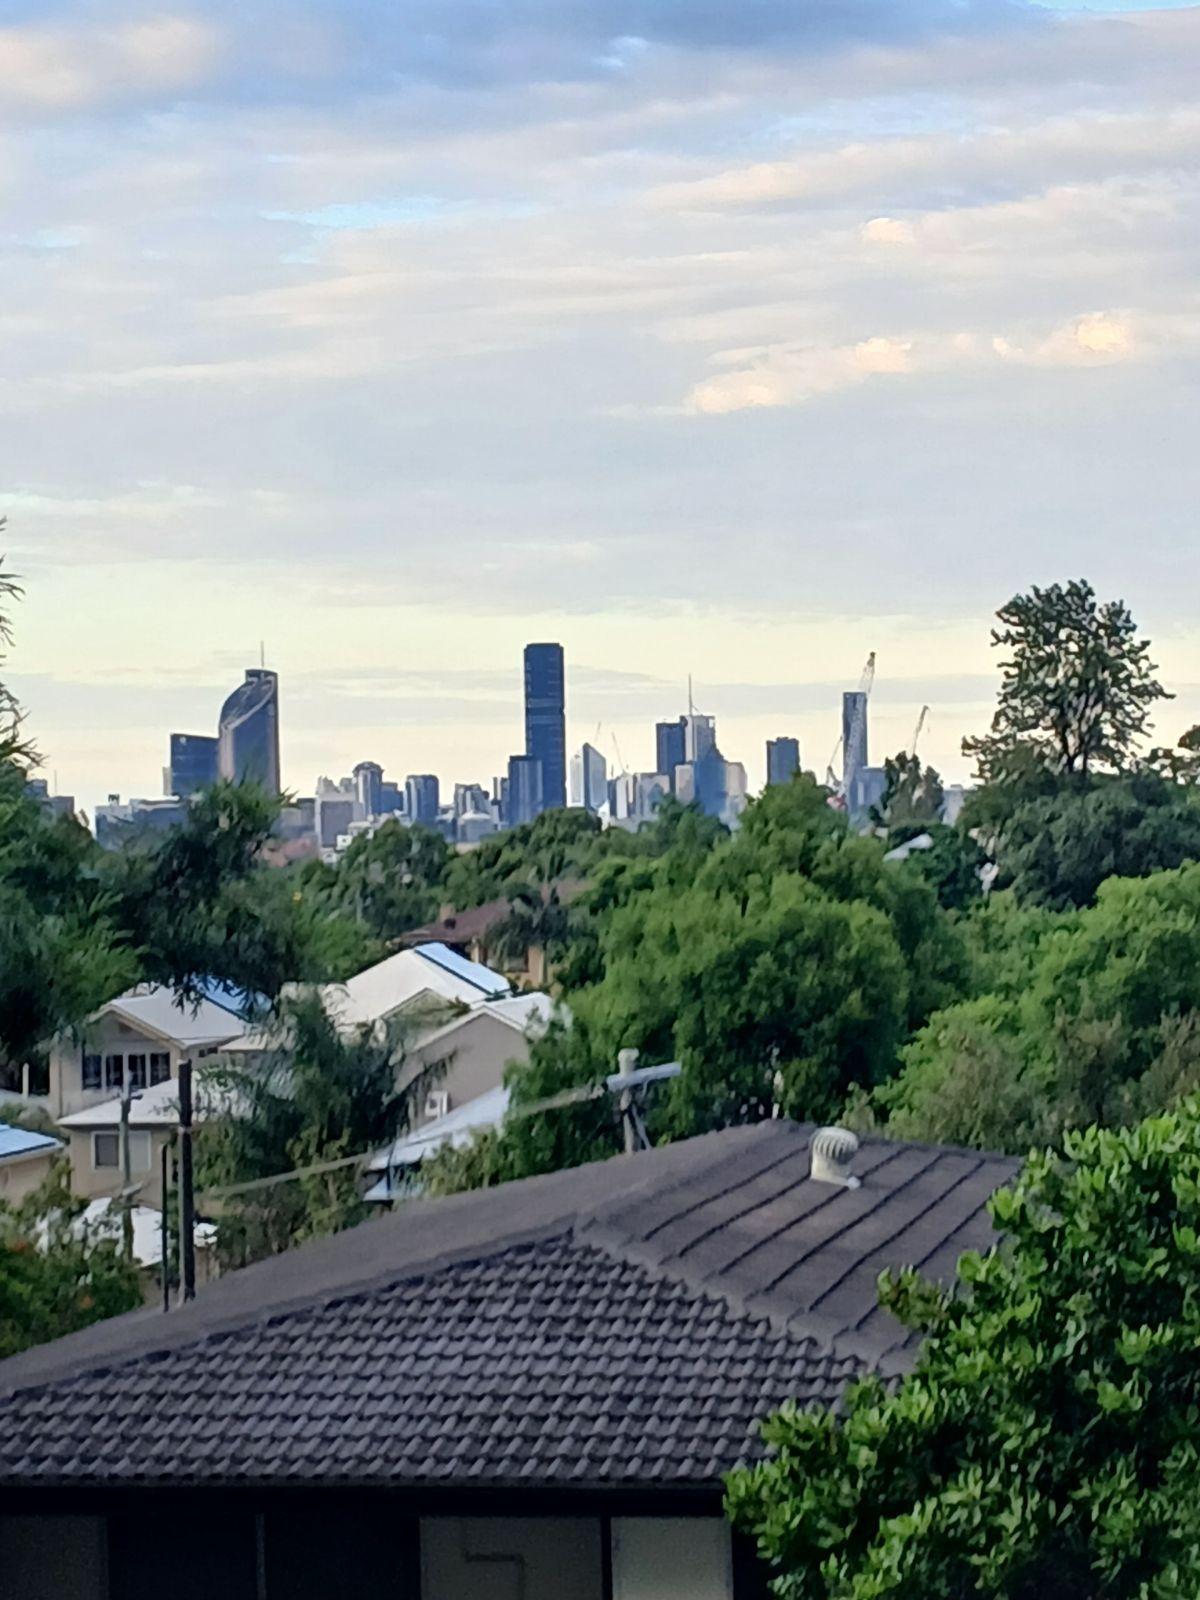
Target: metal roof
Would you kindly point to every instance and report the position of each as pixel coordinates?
(24, 1142)
(157, 1008)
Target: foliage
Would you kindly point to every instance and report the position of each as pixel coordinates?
(1046, 1442)
(320, 1094)
(56, 1275)
(390, 881)
(1077, 688)
(912, 793)
(556, 845)
(951, 865)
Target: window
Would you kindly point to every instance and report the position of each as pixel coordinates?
(137, 1071)
(160, 1067)
(91, 1072)
(114, 1071)
(106, 1151)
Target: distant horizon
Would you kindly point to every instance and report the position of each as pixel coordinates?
(736, 341)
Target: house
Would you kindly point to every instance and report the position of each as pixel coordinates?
(531, 1390)
(140, 1037)
(396, 1170)
(467, 1024)
(25, 1162)
(94, 1141)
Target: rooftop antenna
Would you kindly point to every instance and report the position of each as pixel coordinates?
(262, 653)
(691, 702)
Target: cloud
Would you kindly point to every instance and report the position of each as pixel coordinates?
(70, 69)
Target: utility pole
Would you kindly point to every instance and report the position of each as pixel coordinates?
(187, 1198)
(126, 1172)
(627, 1061)
(166, 1225)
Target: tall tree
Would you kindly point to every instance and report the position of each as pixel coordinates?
(1046, 1443)
(1077, 690)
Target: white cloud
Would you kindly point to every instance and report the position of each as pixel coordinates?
(888, 231)
(69, 69)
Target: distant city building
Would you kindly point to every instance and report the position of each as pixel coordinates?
(589, 779)
(58, 805)
(783, 760)
(368, 788)
(299, 820)
(525, 793)
(118, 825)
(193, 764)
(865, 791)
(954, 797)
(248, 732)
(335, 807)
(699, 736)
(470, 799)
(472, 826)
(545, 720)
(391, 798)
(854, 742)
(670, 749)
(422, 796)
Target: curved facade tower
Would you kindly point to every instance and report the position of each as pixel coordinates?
(248, 732)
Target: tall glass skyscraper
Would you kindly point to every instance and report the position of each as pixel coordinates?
(368, 786)
(524, 796)
(193, 764)
(423, 797)
(783, 759)
(854, 739)
(545, 720)
(670, 750)
(248, 732)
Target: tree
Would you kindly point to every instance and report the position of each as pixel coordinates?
(322, 1093)
(1077, 688)
(912, 794)
(1056, 849)
(56, 1275)
(390, 881)
(1045, 1444)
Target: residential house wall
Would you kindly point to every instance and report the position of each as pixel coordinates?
(20, 1175)
(83, 1071)
(96, 1161)
(475, 1052)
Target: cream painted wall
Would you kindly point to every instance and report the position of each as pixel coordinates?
(106, 1036)
(89, 1182)
(479, 1050)
(21, 1175)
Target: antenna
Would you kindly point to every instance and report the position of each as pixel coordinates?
(691, 702)
(262, 653)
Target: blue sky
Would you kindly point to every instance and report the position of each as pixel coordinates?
(738, 339)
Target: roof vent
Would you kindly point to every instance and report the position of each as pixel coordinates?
(831, 1152)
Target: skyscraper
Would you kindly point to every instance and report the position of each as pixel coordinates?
(669, 748)
(589, 779)
(368, 786)
(525, 793)
(854, 740)
(783, 759)
(193, 764)
(248, 732)
(424, 798)
(699, 736)
(545, 720)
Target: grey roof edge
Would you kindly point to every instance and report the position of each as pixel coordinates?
(415, 1241)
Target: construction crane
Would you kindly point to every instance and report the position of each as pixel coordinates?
(839, 785)
(912, 743)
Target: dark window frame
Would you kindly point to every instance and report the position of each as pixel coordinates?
(91, 1070)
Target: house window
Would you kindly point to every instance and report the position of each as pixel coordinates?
(160, 1066)
(114, 1071)
(92, 1078)
(137, 1071)
(671, 1558)
(106, 1151)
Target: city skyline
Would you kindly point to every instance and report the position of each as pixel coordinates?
(742, 346)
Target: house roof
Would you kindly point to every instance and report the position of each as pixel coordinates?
(456, 1129)
(20, 1142)
(155, 1107)
(156, 1009)
(621, 1324)
(523, 1013)
(104, 1216)
(428, 972)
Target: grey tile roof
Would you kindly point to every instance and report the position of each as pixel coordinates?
(621, 1324)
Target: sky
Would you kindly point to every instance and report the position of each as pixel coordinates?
(732, 338)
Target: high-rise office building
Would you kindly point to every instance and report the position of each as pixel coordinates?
(699, 736)
(424, 798)
(854, 740)
(545, 720)
(589, 779)
(470, 799)
(248, 732)
(193, 764)
(525, 794)
(368, 786)
(391, 798)
(670, 750)
(783, 759)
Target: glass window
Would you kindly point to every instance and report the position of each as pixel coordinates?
(671, 1558)
(160, 1067)
(139, 1150)
(137, 1071)
(91, 1072)
(114, 1071)
(106, 1150)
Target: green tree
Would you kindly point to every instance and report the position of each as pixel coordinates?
(912, 794)
(390, 881)
(56, 1275)
(322, 1093)
(1078, 686)
(1045, 1444)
